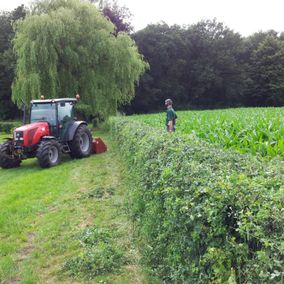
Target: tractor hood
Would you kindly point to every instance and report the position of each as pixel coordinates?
(31, 134)
(36, 125)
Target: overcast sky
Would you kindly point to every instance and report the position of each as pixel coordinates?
(243, 16)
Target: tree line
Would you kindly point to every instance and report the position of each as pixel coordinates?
(204, 65)
(208, 65)
(8, 109)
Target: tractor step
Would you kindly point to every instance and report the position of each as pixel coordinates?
(98, 146)
(65, 148)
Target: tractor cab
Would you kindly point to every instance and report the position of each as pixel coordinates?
(58, 113)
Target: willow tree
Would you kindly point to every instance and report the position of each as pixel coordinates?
(64, 47)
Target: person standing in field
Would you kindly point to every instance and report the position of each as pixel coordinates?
(171, 116)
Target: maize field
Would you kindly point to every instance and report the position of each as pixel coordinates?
(259, 131)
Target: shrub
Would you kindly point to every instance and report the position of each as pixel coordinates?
(8, 127)
(204, 214)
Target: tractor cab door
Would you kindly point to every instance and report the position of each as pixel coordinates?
(65, 118)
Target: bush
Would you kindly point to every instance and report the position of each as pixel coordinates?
(204, 214)
(8, 127)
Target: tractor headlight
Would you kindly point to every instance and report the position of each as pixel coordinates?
(19, 136)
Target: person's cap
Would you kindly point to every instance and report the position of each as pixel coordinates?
(168, 102)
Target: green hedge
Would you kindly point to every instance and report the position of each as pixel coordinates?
(203, 214)
(8, 127)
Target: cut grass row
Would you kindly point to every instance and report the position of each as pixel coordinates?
(259, 131)
(43, 213)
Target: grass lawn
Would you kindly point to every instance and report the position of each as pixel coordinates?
(4, 135)
(43, 211)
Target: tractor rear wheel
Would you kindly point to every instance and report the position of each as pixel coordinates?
(81, 145)
(49, 153)
(7, 160)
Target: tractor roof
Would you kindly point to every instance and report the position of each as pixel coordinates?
(53, 101)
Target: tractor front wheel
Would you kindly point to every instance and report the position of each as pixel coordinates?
(81, 145)
(49, 153)
(7, 159)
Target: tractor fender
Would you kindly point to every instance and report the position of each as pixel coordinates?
(72, 129)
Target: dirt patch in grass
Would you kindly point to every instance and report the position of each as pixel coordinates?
(14, 281)
(27, 249)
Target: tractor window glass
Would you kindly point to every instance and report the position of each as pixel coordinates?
(44, 112)
(65, 112)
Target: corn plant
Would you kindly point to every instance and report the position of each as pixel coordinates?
(259, 131)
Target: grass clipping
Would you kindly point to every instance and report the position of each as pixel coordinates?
(100, 254)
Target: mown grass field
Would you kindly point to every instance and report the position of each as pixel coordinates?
(259, 131)
(47, 218)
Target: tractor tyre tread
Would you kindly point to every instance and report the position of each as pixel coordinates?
(43, 153)
(74, 145)
(7, 161)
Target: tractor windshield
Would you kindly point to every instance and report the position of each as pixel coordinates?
(44, 112)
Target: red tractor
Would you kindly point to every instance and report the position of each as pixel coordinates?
(52, 130)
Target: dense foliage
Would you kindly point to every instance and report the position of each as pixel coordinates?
(208, 65)
(8, 127)
(248, 130)
(7, 60)
(204, 214)
(119, 16)
(65, 47)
